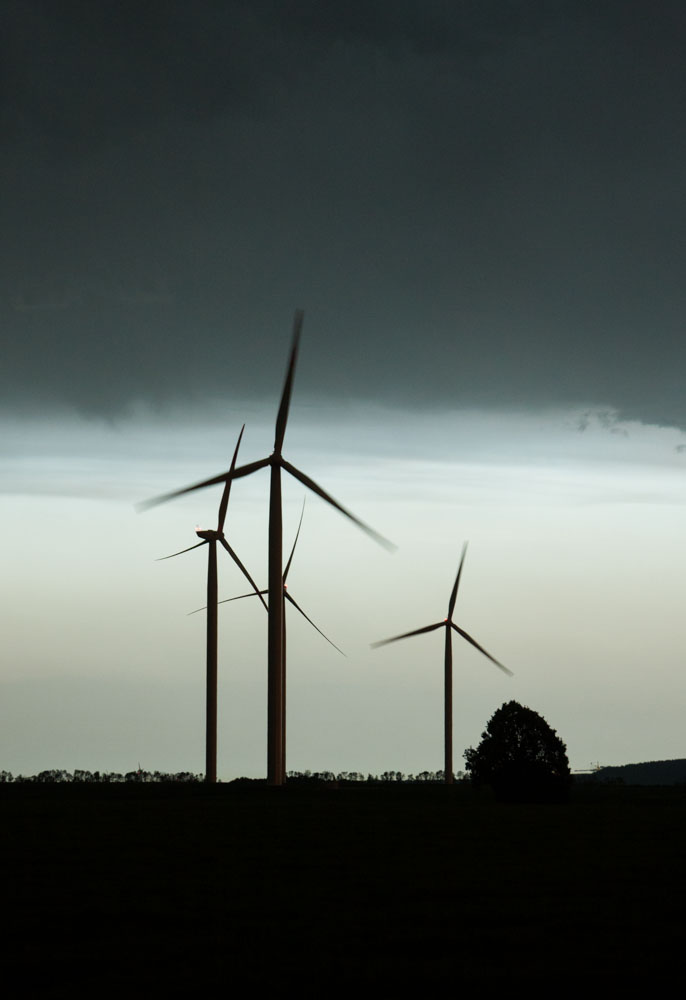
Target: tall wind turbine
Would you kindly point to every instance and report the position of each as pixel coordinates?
(288, 597)
(210, 538)
(276, 771)
(449, 625)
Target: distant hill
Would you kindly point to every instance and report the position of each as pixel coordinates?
(651, 772)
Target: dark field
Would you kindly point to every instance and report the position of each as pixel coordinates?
(173, 889)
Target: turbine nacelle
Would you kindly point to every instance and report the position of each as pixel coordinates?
(209, 535)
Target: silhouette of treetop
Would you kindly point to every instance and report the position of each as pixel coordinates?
(520, 756)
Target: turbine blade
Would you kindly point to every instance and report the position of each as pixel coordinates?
(406, 635)
(242, 470)
(189, 549)
(282, 416)
(298, 608)
(311, 485)
(243, 570)
(453, 596)
(465, 635)
(227, 600)
(297, 535)
(227, 488)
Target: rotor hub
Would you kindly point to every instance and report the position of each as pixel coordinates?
(208, 534)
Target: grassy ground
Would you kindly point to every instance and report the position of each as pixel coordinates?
(143, 887)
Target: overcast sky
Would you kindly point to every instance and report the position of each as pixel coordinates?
(480, 206)
(474, 201)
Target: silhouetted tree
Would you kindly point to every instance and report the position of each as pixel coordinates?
(520, 756)
(50, 777)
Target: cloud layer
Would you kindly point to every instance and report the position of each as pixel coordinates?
(476, 204)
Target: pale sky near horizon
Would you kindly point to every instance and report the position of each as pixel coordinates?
(572, 579)
(480, 206)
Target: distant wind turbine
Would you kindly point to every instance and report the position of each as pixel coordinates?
(449, 625)
(288, 597)
(276, 766)
(210, 538)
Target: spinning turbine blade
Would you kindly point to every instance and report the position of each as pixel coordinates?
(241, 596)
(227, 600)
(282, 416)
(453, 596)
(242, 470)
(227, 488)
(242, 569)
(288, 598)
(406, 635)
(189, 549)
(465, 635)
(298, 608)
(297, 535)
(311, 485)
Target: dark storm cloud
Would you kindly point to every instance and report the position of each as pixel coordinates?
(477, 203)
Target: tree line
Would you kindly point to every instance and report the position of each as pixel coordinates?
(356, 777)
(520, 757)
(57, 776)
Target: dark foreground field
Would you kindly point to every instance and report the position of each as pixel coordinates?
(175, 889)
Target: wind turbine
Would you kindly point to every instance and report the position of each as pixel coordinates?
(288, 597)
(276, 770)
(449, 625)
(210, 538)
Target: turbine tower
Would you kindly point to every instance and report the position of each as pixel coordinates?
(449, 625)
(210, 538)
(276, 772)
